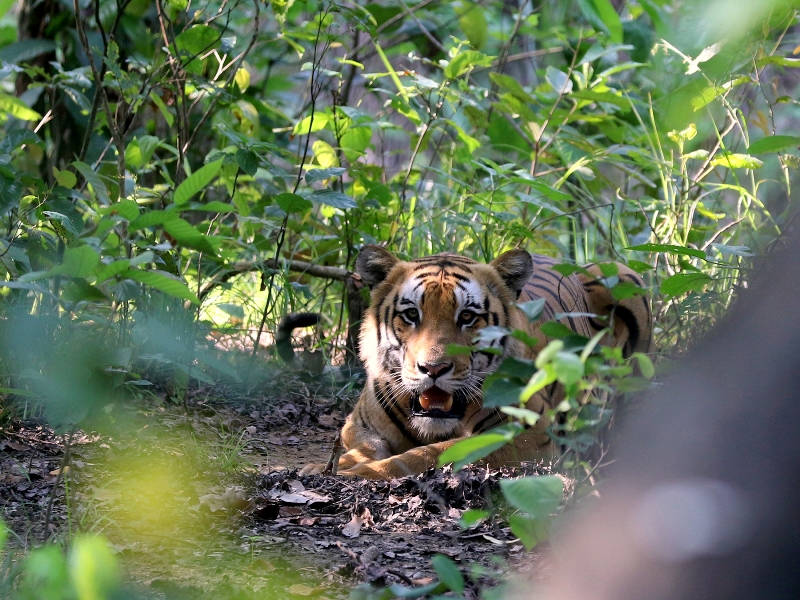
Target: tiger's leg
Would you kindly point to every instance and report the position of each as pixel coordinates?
(533, 444)
(411, 462)
(361, 441)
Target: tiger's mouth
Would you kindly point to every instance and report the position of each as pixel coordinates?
(437, 403)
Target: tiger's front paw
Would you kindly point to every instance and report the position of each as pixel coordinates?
(313, 469)
(389, 468)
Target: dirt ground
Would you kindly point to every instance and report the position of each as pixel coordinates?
(204, 500)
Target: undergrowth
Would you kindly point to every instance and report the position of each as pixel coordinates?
(175, 177)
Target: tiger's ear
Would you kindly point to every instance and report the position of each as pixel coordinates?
(515, 268)
(374, 263)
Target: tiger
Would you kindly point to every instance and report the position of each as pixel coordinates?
(419, 400)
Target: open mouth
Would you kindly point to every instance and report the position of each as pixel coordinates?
(435, 402)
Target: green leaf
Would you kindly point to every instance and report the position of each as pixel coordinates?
(774, 143)
(140, 151)
(25, 50)
(476, 447)
(112, 269)
(684, 135)
(501, 392)
(646, 366)
(94, 180)
(548, 353)
(524, 337)
(512, 86)
(292, 203)
(465, 61)
(80, 290)
(45, 572)
(554, 329)
(472, 516)
(540, 380)
(473, 23)
(639, 266)
(248, 117)
(733, 250)
(609, 17)
(737, 161)
(531, 532)
(538, 496)
(247, 161)
(213, 206)
(233, 310)
(313, 175)
(707, 96)
(16, 138)
(355, 141)
(143, 258)
(26, 394)
(334, 199)
(568, 367)
(78, 262)
(308, 125)
(17, 108)
(524, 415)
(162, 107)
(560, 81)
(448, 572)
(457, 350)
(92, 567)
(186, 235)
(193, 42)
(669, 249)
(696, 155)
(399, 591)
(196, 182)
(567, 269)
(242, 79)
(627, 289)
(607, 97)
(516, 367)
(152, 219)
(164, 282)
(782, 61)
(682, 283)
(66, 179)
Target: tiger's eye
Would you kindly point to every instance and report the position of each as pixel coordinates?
(412, 314)
(466, 316)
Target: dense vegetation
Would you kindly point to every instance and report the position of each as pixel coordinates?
(169, 168)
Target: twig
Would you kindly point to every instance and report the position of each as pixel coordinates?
(240, 58)
(332, 466)
(98, 81)
(64, 463)
(572, 214)
(282, 233)
(400, 575)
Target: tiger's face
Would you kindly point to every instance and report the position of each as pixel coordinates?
(418, 309)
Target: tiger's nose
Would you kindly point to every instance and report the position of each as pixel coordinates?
(435, 370)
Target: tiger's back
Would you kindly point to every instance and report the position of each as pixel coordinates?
(418, 399)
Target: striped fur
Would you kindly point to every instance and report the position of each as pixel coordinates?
(420, 307)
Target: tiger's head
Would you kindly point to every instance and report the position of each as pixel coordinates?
(420, 307)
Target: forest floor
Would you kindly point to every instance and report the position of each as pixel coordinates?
(203, 500)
